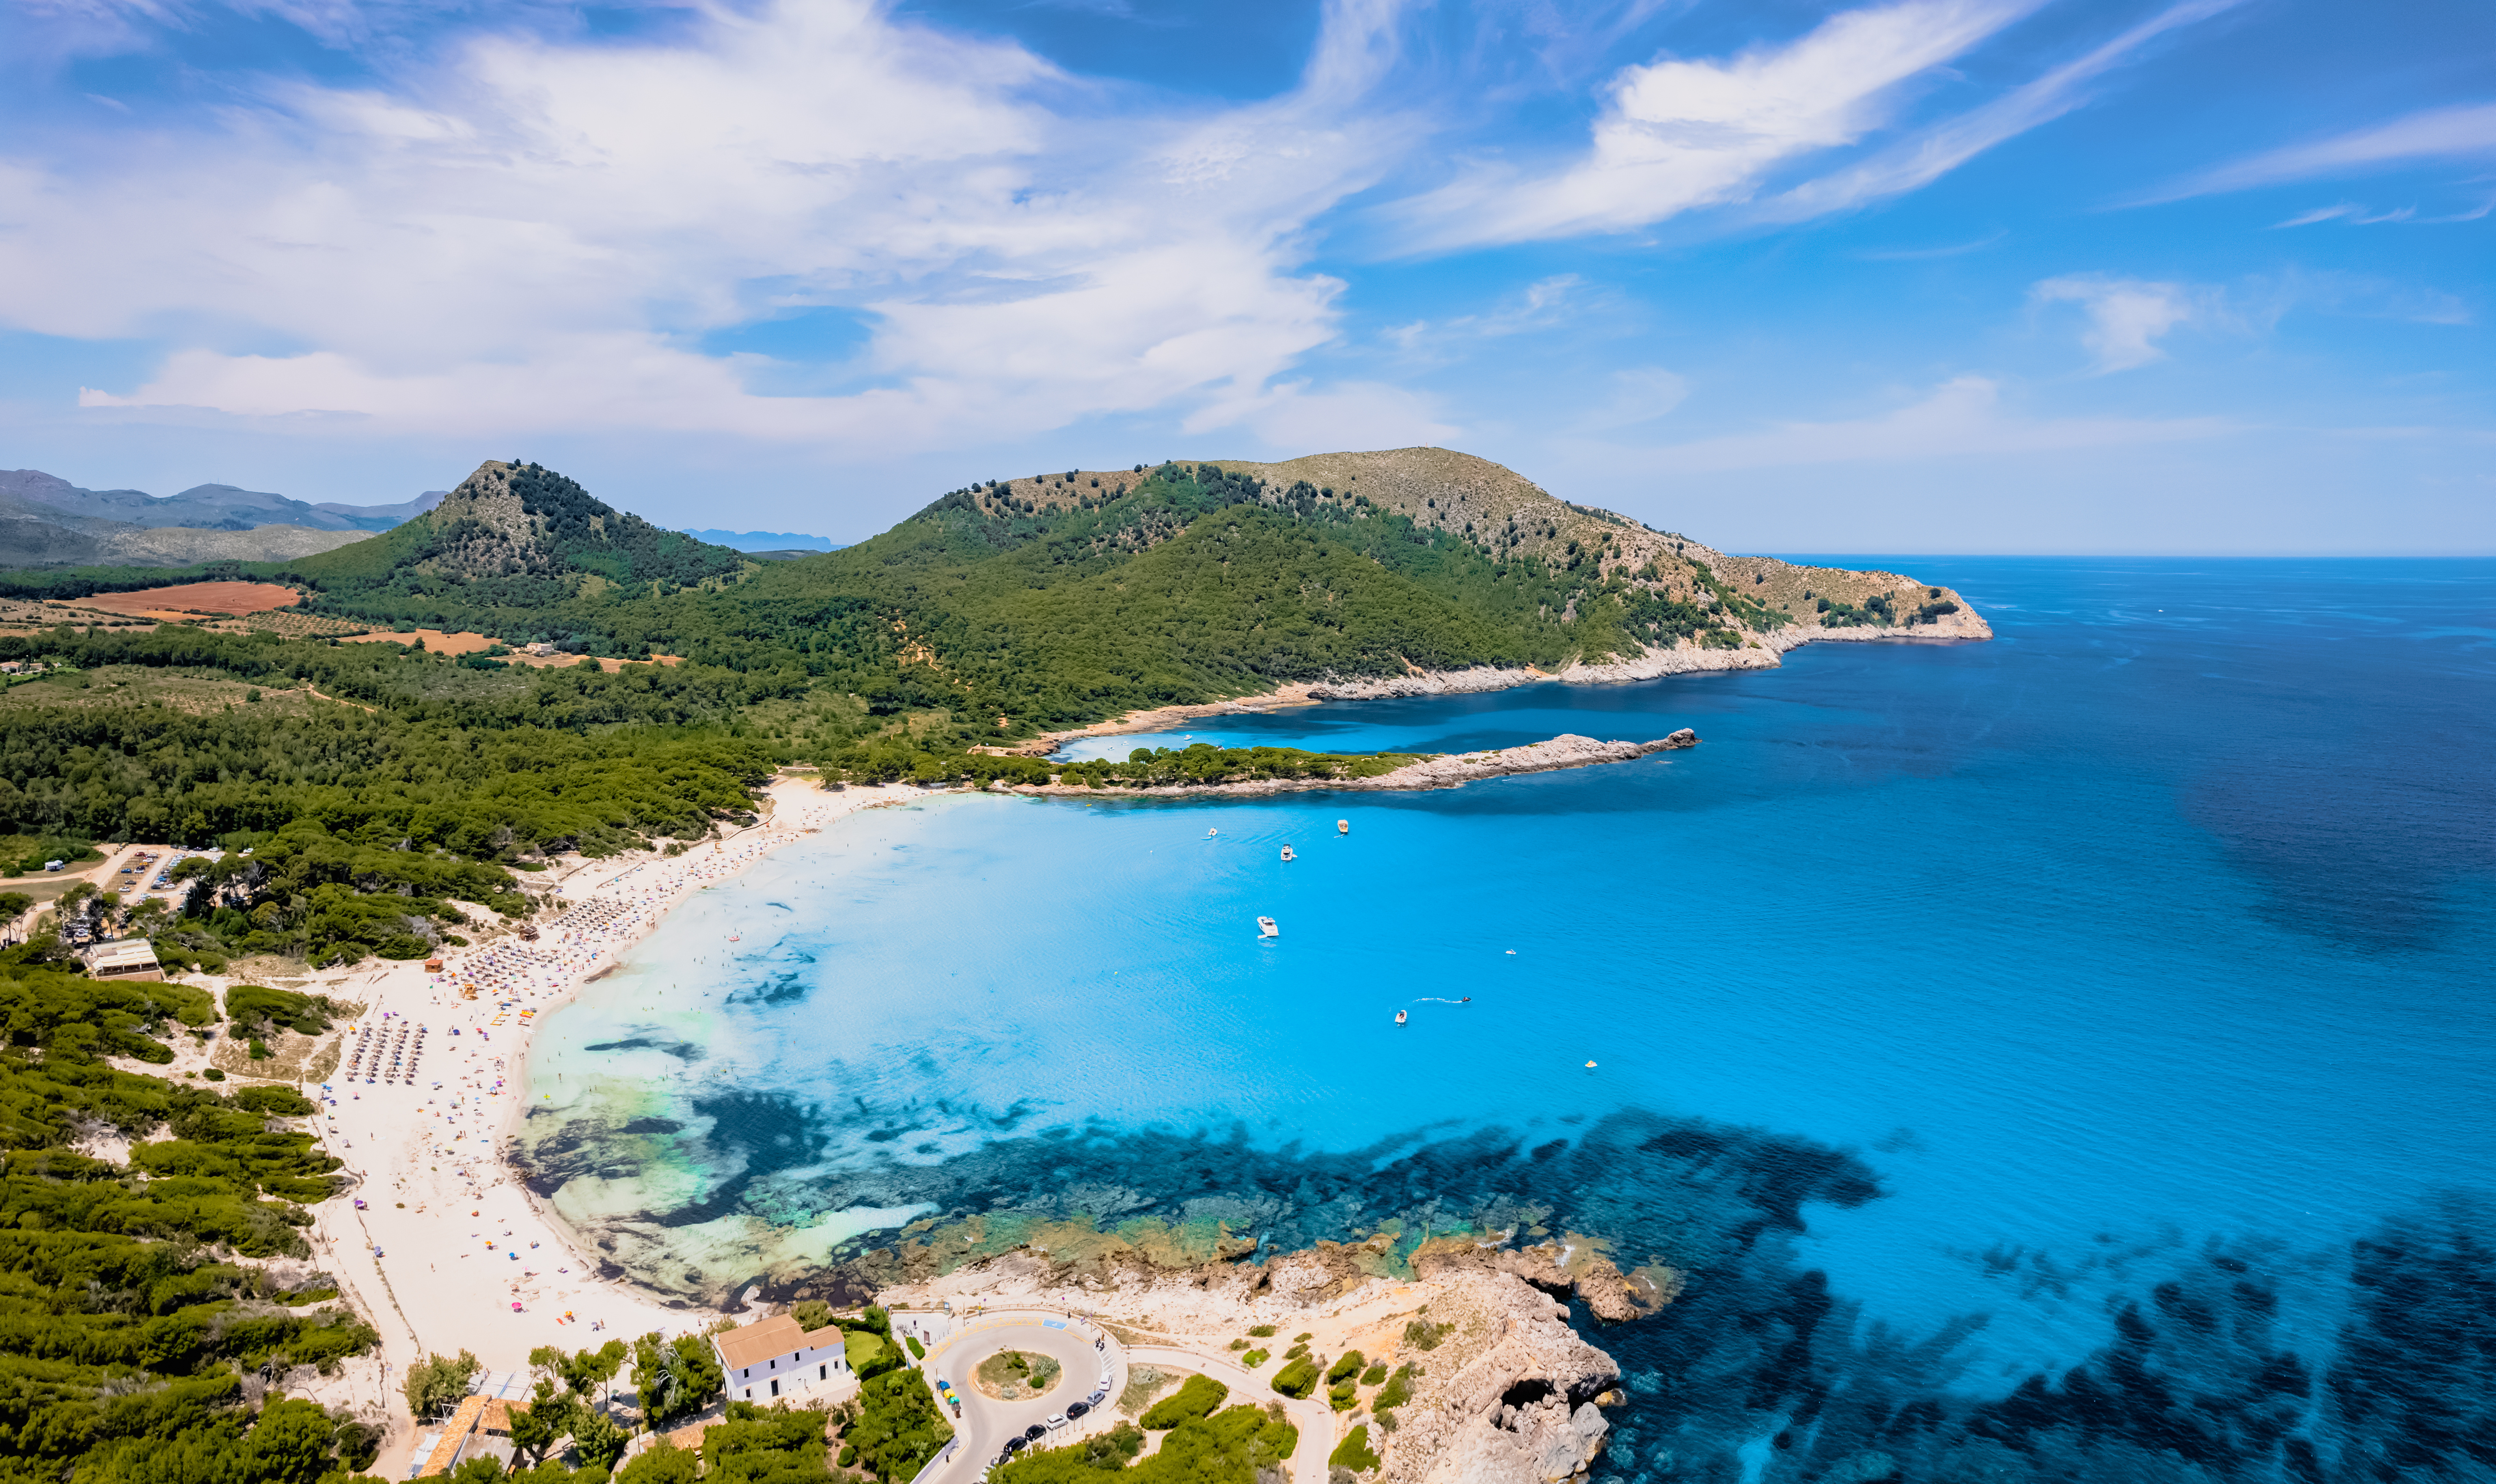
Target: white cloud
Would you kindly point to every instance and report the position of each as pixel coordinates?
(1639, 394)
(1540, 305)
(1927, 156)
(1349, 415)
(2460, 131)
(2355, 215)
(535, 234)
(1961, 416)
(1677, 134)
(2125, 316)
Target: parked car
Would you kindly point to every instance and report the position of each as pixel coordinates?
(1034, 1432)
(1056, 1420)
(1078, 1409)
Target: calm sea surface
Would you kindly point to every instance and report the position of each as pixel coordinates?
(2154, 933)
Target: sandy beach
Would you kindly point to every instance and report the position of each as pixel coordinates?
(437, 1242)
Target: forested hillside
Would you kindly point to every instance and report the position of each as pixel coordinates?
(1022, 606)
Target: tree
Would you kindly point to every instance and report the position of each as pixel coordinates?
(666, 1464)
(675, 1378)
(435, 1384)
(597, 1438)
(544, 1422)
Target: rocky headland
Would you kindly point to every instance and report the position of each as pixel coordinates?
(1501, 1389)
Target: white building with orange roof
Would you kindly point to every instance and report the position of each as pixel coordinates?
(774, 1358)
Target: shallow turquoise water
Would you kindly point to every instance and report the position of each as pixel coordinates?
(2158, 923)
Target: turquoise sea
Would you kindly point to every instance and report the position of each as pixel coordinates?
(2071, 1055)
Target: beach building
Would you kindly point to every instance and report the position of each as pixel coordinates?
(126, 958)
(774, 1358)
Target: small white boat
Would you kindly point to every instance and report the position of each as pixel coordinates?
(1210, 834)
(1287, 852)
(1343, 826)
(1400, 1017)
(1266, 928)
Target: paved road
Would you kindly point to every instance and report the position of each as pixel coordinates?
(985, 1424)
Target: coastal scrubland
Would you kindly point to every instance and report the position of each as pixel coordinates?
(149, 1298)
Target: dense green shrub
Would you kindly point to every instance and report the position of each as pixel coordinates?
(897, 1427)
(1353, 1452)
(1196, 1397)
(1232, 1447)
(1297, 1379)
(760, 1445)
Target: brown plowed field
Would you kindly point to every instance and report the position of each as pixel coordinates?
(237, 597)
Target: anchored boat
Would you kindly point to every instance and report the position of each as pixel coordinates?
(1343, 826)
(1286, 853)
(1266, 928)
(1400, 1017)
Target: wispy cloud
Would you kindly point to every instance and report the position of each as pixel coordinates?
(1921, 254)
(1925, 156)
(1540, 305)
(1639, 394)
(2460, 131)
(1961, 416)
(2125, 316)
(1679, 133)
(2355, 215)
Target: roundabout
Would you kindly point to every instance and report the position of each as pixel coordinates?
(972, 1374)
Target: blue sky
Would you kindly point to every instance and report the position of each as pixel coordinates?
(1930, 275)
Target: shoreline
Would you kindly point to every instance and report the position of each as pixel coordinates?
(1451, 770)
(1765, 652)
(415, 1154)
(410, 1169)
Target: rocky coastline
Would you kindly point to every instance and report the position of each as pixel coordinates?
(1502, 1391)
(1758, 652)
(1452, 771)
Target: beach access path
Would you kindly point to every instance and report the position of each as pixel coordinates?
(448, 1250)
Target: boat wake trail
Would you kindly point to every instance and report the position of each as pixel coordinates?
(1435, 1000)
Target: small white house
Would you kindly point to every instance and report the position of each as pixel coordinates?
(774, 1358)
(129, 958)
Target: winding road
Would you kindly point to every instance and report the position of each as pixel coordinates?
(1086, 1351)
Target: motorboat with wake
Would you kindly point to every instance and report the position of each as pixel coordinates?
(1400, 1017)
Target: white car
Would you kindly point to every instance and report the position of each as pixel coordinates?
(1056, 1420)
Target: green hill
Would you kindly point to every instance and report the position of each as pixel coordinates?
(1016, 607)
(1060, 599)
(508, 550)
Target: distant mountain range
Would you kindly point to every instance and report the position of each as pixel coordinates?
(765, 541)
(45, 521)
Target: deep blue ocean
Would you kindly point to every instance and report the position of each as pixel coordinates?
(2068, 1056)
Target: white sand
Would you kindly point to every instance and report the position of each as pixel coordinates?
(417, 1260)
